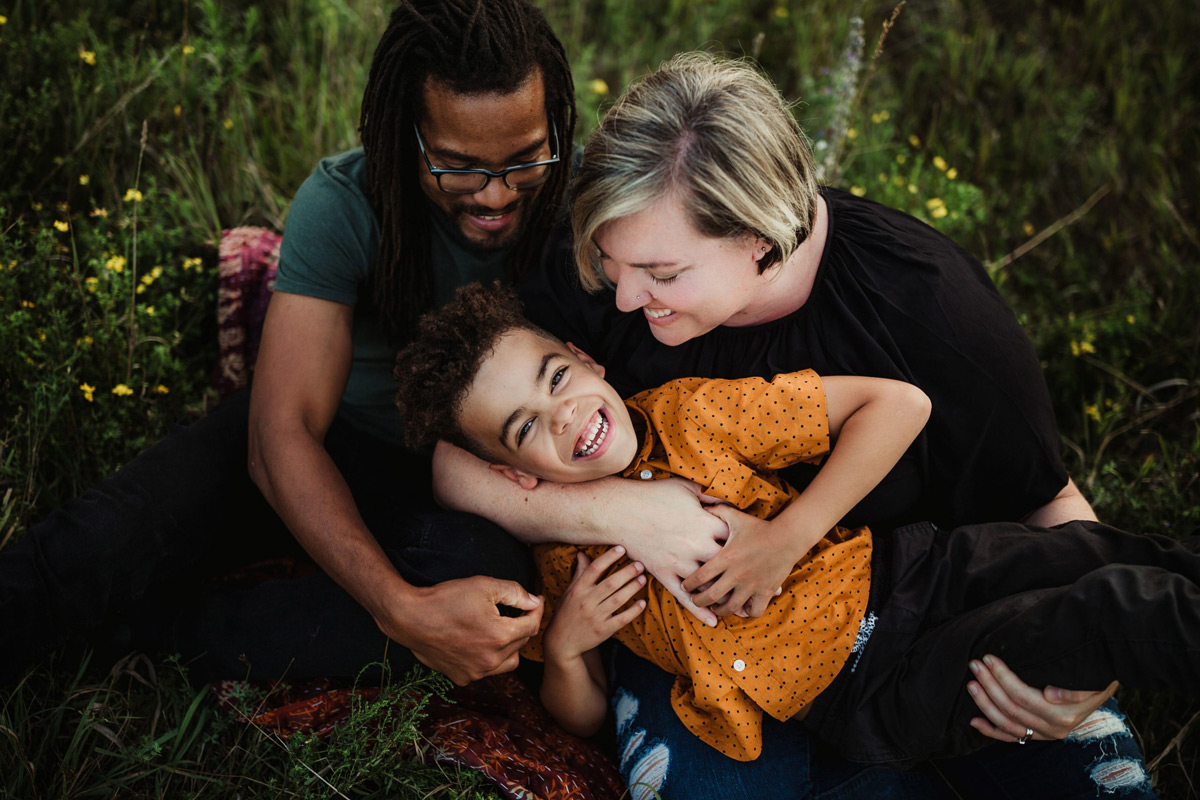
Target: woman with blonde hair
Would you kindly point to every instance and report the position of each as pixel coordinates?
(703, 245)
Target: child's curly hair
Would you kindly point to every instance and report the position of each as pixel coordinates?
(435, 369)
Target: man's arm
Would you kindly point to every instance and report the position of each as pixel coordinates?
(302, 369)
(661, 523)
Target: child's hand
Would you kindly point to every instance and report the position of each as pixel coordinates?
(750, 569)
(593, 607)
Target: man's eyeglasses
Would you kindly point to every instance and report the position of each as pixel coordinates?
(470, 181)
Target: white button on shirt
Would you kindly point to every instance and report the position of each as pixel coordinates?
(645, 474)
(739, 665)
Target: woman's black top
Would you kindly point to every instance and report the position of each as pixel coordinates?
(892, 298)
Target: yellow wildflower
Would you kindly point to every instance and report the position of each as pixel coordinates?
(41, 336)
(87, 390)
(115, 264)
(140, 289)
(133, 196)
(149, 311)
(938, 212)
(857, 191)
(781, 12)
(228, 124)
(851, 133)
(156, 273)
(1131, 319)
(1086, 347)
(1027, 226)
(27, 304)
(37, 206)
(148, 279)
(885, 114)
(952, 173)
(188, 263)
(88, 57)
(99, 212)
(3, 20)
(121, 390)
(84, 180)
(61, 226)
(162, 389)
(598, 86)
(940, 163)
(12, 264)
(898, 180)
(883, 178)
(912, 188)
(178, 109)
(188, 49)
(935, 202)
(88, 341)
(1075, 349)
(876, 118)
(900, 158)
(1092, 411)
(914, 140)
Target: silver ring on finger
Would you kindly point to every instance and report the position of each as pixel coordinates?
(1028, 735)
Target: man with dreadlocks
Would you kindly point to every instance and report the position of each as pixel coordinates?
(466, 126)
(467, 122)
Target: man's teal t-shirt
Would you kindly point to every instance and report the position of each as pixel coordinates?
(329, 250)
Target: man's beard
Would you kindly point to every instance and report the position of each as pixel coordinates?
(492, 240)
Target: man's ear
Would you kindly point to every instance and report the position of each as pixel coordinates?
(519, 477)
(586, 359)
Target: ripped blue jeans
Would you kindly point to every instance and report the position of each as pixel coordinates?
(661, 758)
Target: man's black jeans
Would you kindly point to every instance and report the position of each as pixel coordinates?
(133, 560)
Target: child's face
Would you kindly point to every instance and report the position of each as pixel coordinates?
(545, 411)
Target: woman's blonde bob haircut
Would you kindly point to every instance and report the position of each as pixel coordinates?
(717, 135)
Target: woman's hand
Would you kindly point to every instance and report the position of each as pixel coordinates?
(1011, 707)
(594, 607)
(674, 534)
(751, 568)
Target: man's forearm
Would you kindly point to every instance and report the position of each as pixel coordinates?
(306, 489)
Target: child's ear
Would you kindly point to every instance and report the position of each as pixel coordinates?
(586, 359)
(519, 477)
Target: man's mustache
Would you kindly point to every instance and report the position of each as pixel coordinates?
(484, 211)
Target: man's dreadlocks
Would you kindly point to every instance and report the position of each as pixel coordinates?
(472, 47)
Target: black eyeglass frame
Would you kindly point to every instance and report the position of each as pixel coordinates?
(438, 172)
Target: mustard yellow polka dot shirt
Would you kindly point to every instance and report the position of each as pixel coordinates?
(730, 436)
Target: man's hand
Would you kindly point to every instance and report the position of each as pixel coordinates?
(456, 628)
(749, 570)
(594, 607)
(674, 536)
(1011, 706)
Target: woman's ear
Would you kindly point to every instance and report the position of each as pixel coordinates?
(761, 248)
(519, 477)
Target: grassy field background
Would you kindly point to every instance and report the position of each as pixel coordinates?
(1057, 141)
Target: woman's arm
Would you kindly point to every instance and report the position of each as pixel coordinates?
(661, 523)
(592, 609)
(1069, 504)
(874, 421)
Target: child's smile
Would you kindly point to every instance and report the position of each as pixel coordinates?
(544, 411)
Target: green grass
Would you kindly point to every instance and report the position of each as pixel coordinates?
(1056, 141)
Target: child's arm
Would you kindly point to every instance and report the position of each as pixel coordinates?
(593, 608)
(874, 421)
